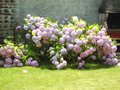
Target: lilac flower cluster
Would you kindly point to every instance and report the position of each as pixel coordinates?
(87, 52)
(57, 58)
(104, 45)
(12, 63)
(32, 62)
(11, 56)
(81, 64)
(42, 30)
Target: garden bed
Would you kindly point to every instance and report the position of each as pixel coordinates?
(70, 42)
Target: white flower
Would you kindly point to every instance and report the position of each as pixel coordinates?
(56, 63)
(79, 58)
(25, 27)
(79, 32)
(62, 40)
(103, 29)
(50, 48)
(41, 52)
(25, 71)
(103, 57)
(100, 42)
(59, 66)
(53, 37)
(70, 46)
(28, 16)
(63, 22)
(1, 63)
(63, 51)
(54, 58)
(75, 19)
(61, 59)
(94, 57)
(52, 53)
(73, 33)
(57, 55)
(79, 42)
(64, 63)
(27, 36)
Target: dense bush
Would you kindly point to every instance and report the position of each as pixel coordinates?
(73, 42)
(69, 43)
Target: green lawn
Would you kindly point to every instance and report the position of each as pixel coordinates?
(43, 78)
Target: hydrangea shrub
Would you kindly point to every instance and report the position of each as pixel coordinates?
(72, 42)
(10, 55)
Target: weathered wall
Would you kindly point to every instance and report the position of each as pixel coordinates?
(86, 9)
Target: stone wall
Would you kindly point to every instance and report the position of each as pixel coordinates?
(58, 9)
(7, 17)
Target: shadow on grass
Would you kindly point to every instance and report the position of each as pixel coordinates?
(47, 66)
(94, 66)
(90, 66)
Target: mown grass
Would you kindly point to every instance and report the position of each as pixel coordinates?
(44, 78)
